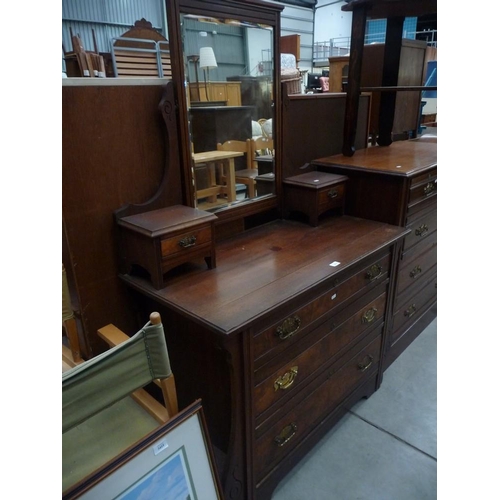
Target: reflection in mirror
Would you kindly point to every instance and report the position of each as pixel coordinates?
(229, 85)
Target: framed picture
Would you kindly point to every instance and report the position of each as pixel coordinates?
(174, 462)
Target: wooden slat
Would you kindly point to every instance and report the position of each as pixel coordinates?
(151, 405)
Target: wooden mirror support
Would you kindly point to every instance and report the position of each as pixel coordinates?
(394, 11)
(171, 177)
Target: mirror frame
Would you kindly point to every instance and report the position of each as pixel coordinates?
(255, 11)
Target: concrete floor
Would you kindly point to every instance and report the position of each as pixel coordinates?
(385, 448)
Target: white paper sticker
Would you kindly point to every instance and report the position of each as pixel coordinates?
(335, 263)
(334, 296)
(160, 446)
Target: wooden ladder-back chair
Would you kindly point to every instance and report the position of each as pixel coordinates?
(105, 408)
(141, 52)
(261, 146)
(246, 176)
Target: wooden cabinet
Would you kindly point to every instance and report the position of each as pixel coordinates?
(210, 125)
(228, 92)
(398, 185)
(280, 339)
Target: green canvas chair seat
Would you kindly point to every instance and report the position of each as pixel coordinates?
(99, 418)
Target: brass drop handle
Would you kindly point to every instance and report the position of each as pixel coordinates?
(365, 365)
(374, 272)
(333, 193)
(286, 434)
(369, 315)
(411, 311)
(288, 328)
(421, 230)
(415, 271)
(187, 242)
(430, 188)
(287, 379)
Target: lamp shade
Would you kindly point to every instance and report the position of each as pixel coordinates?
(207, 58)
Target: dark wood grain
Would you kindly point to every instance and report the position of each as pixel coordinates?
(265, 267)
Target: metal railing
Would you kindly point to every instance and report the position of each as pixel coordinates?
(341, 46)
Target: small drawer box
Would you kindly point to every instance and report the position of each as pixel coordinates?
(313, 193)
(160, 240)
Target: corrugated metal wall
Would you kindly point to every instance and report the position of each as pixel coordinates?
(108, 18)
(227, 41)
(111, 18)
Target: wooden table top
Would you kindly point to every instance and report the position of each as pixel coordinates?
(400, 158)
(207, 156)
(263, 268)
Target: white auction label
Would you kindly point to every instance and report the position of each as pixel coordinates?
(160, 446)
(335, 263)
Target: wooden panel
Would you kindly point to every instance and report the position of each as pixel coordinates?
(313, 127)
(290, 44)
(113, 150)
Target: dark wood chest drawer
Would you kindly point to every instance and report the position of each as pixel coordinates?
(408, 309)
(326, 393)
(299, 322)
(428, 176)
(190, 241)
(421, 228)
(423, 187)
(290, 377)
(417, 268)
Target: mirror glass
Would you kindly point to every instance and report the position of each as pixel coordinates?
(228, 67)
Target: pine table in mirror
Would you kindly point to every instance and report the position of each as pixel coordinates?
(159, 240)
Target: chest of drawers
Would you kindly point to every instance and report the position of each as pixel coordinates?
(398, 185)
(159, 240)
(279, 340)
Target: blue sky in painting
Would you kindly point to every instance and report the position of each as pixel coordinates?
(167, 482)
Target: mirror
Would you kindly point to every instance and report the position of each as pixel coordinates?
(228, 69)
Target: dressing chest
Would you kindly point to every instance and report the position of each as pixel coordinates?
(398, 185)
(280, 339)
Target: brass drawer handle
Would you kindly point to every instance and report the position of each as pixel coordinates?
(333, 193)
(288, 328)
(287, 379)
(286, 434)
(421, 230)
(364, 366)
(411, 311)
(188, 241)
(374, 272)
(430, 188)
(415, 271)
(369, 315)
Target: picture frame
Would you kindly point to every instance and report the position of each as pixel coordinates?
(174, 462)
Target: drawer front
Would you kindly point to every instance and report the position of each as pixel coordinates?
(416, 250)
(422, 192)
(186, 242)
(420, 229)
(294, 326)
(332, 387)
(424, 178)
(331, 197)
(416, 268)
(411, 308)
(287, 380)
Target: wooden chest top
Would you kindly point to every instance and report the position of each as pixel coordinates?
(404, 158)
(265, 267)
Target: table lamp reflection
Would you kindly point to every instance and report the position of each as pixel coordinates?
(207, 62)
